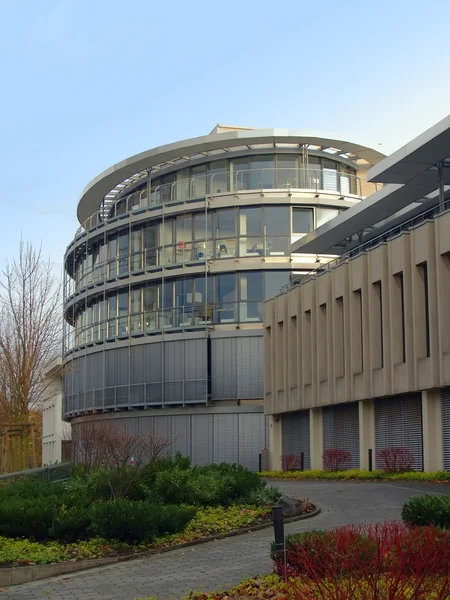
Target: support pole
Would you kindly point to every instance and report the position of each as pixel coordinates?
(278, 531)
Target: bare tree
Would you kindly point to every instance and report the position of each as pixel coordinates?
(30, 331)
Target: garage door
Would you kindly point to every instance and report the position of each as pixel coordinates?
(398, 423)
(295, 435)
(445, 396)
(341, 430)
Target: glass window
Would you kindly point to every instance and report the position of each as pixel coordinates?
(277, 220)
(329, 175)
(150, 297)
(202, 226)
(250, 221)
(136, 311)
(225, 223)
(123, 253)
(241, 173)
(150, 241)
(287, 171)
(262, 172)
(102, 318)
(136, 250)
(323, 215)
(251, 286)
(250, 290)
(183, 228)
(302, 220)
(182, 186)
(273, 282)
(112, 257)
(225, 305)
(218, 177)
(112, 313)
(122, 310)
(314, 176)
(198, 183)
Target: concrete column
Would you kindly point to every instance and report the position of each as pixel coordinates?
(366, 433)
(276, 442)
(432, 430)
(316, 438)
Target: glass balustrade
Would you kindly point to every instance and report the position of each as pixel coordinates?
(234, 181)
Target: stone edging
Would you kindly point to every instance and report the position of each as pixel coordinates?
(16, 575)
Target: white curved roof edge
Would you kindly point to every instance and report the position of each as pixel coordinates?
(93, 194)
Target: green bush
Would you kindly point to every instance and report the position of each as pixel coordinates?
(71, 524)
(427, 510)
(137, 521)
(27, 517)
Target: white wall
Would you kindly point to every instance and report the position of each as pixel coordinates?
(54, 429)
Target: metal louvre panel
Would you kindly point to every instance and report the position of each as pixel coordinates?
(295, 435)
(341, 430)
(398, 423)
(445, 398)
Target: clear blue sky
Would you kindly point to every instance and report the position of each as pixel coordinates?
(86, 83)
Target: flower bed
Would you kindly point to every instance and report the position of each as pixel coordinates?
(354, 474)
(208, 522)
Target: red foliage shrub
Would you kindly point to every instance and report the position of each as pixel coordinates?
(290, 462)
(335, 459)
(395, 459)
(386, 561)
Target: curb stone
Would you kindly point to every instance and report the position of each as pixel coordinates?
(10, 576)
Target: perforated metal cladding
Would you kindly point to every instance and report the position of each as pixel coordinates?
(237, 367)
(205, 438)
(398, 423)
(295, 435)
(341, 430)
(445, 398)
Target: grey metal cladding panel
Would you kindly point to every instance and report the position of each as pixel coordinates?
(137, 364)
(201, 441)
(341, 430)
(251, 439)
(445, 399)
(80, 374)
(132, 425)
(295, 435)
(249, 357)
(195, 359)
(181, 435)
(111, 371)
(122, 366)
(174, 360)
(223, 368)
(226, 438)
(163, 427)
(146, 425)
(398, 422)
(153, 362)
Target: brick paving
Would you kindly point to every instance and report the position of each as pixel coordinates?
(223, 563)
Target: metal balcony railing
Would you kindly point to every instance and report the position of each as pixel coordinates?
(317, 181)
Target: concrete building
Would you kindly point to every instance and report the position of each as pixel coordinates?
(358, 354)
(165, 280)
(56, 434)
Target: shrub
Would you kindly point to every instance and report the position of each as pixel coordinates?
(427, 510)
(335, 459)
(71, 524)
(129, 521)
(27, 517)
(290, 462)
(395, 459)
(263, 497)
(384, 561)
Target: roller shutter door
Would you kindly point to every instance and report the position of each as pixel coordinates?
(295, 435)
(445, 397)
(398, 423)
(341, 430)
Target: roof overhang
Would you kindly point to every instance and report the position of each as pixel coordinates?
(416, 157)
(411, 176)
(127, 172)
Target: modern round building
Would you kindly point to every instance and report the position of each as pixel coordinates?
(165, 279)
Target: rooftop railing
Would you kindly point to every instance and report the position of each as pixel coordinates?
(320, 181)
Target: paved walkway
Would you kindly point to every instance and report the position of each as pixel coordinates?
(225, 562)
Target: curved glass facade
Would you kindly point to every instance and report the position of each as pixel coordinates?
(165, 284)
